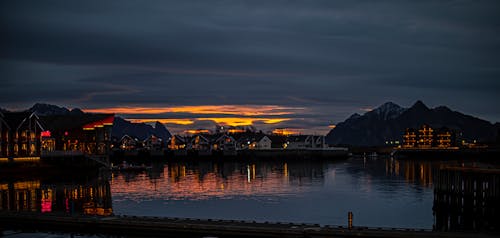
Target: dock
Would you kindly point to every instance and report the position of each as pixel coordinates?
(176, 227)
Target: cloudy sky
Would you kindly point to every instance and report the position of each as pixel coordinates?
(293, 64)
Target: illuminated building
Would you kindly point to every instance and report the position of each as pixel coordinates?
(252, 142)
(153, 143)
(428, 137)
(278, 141)
(177, 143)
(443, 138)
(84, 133)
(425, 136)
(225, 143)
(128, 143)
(201, 143)
(409, 138)
(20, 134)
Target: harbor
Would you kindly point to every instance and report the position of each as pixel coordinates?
(226, 198)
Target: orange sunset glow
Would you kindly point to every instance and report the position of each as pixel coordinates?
(286, 131)
(229, 121)
(183, 121)
(243, 110)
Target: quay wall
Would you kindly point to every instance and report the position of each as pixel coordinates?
(175, 227)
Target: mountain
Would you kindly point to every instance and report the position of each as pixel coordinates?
(43, 109)
(120, 126)
(389, 121)
(141, 131)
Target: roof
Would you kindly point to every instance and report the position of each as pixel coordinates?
(76, 122)
(14, 119)
(252, 138)
(180, 138)
(298, 138)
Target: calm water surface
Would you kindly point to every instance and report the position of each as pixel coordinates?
(380, 192)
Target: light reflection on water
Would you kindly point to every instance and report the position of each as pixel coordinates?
(383, 192)
(444, 195)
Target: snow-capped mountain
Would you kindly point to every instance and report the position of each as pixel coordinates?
(388, 122)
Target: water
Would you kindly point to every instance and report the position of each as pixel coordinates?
(287, 191)
(380, 192)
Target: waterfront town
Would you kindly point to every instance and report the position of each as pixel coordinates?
(249, 119)
(26, 135)
(241, 159)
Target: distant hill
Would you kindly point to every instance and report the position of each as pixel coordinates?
(43, 109)
(120, 126)
(141, 131)
(389, 121)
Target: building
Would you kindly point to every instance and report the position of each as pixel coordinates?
(201, 143)
(20, 134)
(225, 143)
(409, 138)
(25, 134)
(128, 143)
(443, 138)
(85, 133)
(427, 137)
(305, 142)
(153, 143)
(177, 142)
(254, 142)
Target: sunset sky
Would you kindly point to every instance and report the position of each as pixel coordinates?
(271, 64)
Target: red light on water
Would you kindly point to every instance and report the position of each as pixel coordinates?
(46, 205)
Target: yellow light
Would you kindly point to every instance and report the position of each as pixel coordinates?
(235, 131)
(197, 131)
(245, 110)
(286, 131)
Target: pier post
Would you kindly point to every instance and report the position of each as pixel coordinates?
(349, 220)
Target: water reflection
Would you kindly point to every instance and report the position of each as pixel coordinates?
(74, 197)
(204, 180)
(311, 191)
(412, 171)
(380, 193)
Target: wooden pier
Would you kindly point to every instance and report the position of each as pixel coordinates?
(132, 226)
(467, 199)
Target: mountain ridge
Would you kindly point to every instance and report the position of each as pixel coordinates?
(388, 122)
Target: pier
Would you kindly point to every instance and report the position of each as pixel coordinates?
(467, 199)
(175, 227)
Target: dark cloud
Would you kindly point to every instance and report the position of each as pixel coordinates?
(330, 56)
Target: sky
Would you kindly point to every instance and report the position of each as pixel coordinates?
(304, 65)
